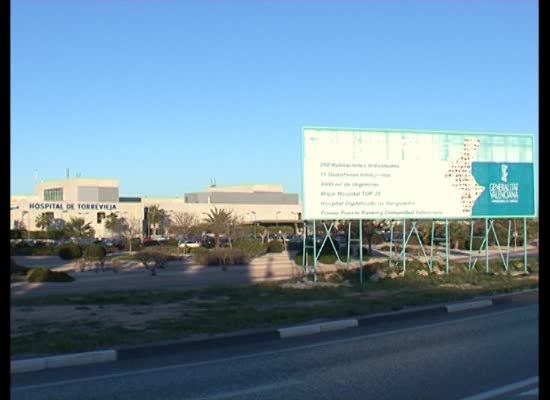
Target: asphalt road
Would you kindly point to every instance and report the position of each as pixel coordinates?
(481, 354)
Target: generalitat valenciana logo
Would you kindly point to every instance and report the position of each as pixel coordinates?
(504, 191)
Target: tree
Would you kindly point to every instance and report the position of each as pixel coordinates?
(128, 228)
(112, 223)
(235, 228)
(43, 221)
(183, 223)
(153, 258)
(78, 228)
(218, 222)
(156, 218)
(370, 229)
(458, 231)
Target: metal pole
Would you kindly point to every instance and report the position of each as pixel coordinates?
(486, 245)
(314, 252)
(29, 230)
(432, 246)
(524, 244)
(508, 247)
(349, 243)
(471, 244)
(447, 246)
(360, 251)
(403, 246)
(304, 252)
(391, 242)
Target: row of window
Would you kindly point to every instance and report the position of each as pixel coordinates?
(53, 194)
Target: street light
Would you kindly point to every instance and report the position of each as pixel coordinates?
(29, 223)
(277, 217)
(255, 223)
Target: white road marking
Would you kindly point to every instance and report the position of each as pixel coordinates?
(262, 388)
(261, 353)
(534, 392)
(503, 389)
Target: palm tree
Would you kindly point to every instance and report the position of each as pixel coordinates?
(155, 217)
(218, 222)
(43, 221)
(112, 222)
(78, 228)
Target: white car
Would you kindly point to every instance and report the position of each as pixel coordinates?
(190, 243)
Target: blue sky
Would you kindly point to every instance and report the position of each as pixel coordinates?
(166, 95)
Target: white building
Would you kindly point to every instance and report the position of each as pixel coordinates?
(95, 199)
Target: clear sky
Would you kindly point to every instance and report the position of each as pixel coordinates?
(166, 95)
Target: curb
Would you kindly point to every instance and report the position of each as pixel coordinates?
(38, 364)
(125, 353)
(469, 305)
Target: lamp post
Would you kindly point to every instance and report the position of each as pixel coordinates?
(14, 208)
(23, 213)
(255, 224)
(277, 217)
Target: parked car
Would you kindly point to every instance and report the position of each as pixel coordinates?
(189, 242)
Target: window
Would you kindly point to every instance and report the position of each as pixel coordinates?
(53, 194)
(100, 217)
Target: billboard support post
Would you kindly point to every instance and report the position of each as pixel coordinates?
(304, 248)
(487, 245)
(492, 227)
(328, 236)
(403, 245)
(432, 245)
(314, 252)
(446, 246)
(508, 247)
(390, 264)
(525, 244)
(361, 251)
(349, 243)
(470, 266)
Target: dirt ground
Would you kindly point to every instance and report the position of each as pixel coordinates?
(24, 319)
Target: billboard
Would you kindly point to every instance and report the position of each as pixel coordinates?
(404, 174)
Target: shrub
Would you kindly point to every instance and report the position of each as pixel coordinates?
(199, 249)
(275, 246)
(323, 258)
(112, 249)
(327, 255)
(95, 252)
(414, 240)
(117, 262)
(70, 251)
(200, 255)
(136, 244)
(171, 243)
(250, 247)
(153, 258)
(151, 243)
(221, 256)
(327, 258)
(42, 274)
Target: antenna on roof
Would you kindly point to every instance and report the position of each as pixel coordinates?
(67, 173)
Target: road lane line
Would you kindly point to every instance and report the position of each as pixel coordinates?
(264, 353)
(262, 388)
(503, 389)
(534, 392)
